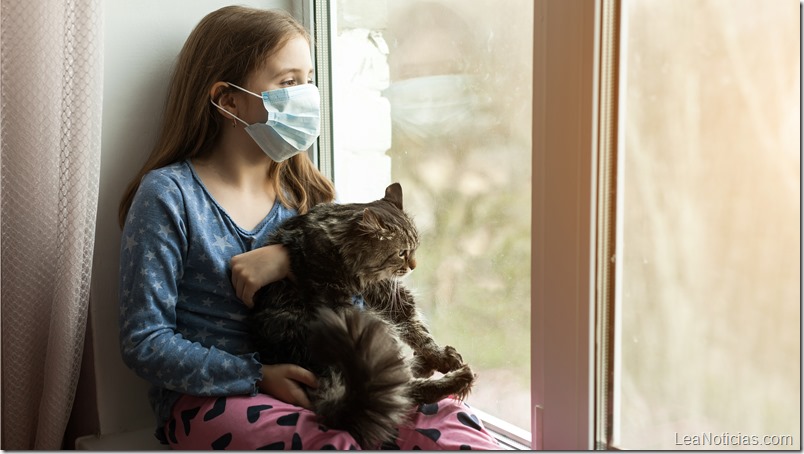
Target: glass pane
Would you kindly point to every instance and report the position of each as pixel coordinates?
(437, 96)
(710, 306)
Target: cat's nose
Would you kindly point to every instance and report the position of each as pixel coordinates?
(412, 263)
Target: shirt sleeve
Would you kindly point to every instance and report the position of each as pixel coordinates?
(152, 256)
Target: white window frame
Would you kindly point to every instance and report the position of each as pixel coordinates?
(574, 220)
(562, 245)
(315, 17)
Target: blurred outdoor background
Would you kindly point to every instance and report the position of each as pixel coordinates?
(711, 296)
(437, 96)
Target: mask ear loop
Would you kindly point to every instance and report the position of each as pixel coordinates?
(234, 123)
(243, 89)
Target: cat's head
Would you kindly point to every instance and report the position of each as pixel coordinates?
(386, 238)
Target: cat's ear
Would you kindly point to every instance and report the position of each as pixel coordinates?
(371, 222)
(393, 194)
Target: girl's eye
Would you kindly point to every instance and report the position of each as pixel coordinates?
(291, 82)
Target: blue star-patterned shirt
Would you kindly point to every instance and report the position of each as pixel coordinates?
(182, 327)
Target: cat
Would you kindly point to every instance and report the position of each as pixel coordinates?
(340, 255)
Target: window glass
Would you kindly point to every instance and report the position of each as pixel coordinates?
(437, 95)
(710, 304)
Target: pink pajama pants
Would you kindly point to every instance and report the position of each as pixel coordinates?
(263, 422)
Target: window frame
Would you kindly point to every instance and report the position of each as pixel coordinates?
(574, 221)
(315, 15)
(563, 203)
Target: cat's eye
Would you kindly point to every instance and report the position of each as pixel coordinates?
(403, 253)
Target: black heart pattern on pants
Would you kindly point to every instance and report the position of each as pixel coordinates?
(216, 410)
(253, 412)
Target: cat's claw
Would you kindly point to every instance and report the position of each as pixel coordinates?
(450, 360)
(466, 378)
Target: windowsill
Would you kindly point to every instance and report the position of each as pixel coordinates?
(509, 436)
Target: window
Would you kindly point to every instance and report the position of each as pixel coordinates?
(666, 217)
(437, 95)
(665, 200)
(709, 297)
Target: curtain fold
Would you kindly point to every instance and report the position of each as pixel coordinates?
(51, 67)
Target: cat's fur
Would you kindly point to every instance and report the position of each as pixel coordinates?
(366, 385)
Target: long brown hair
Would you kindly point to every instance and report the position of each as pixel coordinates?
(227, 45)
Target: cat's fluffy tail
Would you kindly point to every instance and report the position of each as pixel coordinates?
(365, 388)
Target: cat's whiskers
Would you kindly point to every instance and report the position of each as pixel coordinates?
(396, 301)
(393, 297)
(389, 308)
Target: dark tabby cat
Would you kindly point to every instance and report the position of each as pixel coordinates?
(340, 255)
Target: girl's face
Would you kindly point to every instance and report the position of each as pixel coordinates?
(290, 65)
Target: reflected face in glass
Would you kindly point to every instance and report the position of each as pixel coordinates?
(427, 108)
(429, 39)
(425, 54)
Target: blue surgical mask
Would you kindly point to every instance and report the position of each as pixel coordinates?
(293, 124)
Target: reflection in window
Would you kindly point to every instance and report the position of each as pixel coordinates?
(710, 304)
(437, 96)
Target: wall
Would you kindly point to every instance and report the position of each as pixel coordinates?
(141, 40)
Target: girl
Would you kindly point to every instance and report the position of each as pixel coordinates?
(220, 179)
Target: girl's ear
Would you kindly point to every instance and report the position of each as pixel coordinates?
(221, 94)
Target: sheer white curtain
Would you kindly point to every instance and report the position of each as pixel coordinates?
(50, 121)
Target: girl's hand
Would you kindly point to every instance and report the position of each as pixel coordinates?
(283, 381)
(255, 269)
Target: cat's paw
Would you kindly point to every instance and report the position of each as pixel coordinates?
(450, 360)
(463, 379)
(456, 384)
(442, 360)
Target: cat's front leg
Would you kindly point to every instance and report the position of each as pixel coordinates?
(428, 355)
(397, 305)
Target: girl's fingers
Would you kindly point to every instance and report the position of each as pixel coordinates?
(303, 376)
